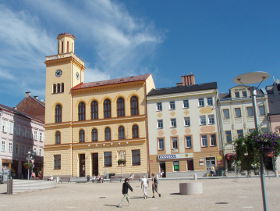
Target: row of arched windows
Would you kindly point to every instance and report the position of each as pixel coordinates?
(107, 134)
(134, 109)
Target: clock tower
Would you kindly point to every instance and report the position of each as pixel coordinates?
(63, 71)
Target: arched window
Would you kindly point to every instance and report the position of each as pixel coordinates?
(120, 107)
(57, 137)
(135, 131)
(134, 106)
(82, 111)
(62, 87)
(107, 108)
(107, 134)
(58, 113)
(94, 135)
(94, 110)
(81, 136)
(58, 88)
(54, 88)
(121, 132)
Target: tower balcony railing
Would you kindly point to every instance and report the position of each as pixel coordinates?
(64, 55)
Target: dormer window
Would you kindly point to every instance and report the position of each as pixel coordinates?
(244, 93)
(237, 95)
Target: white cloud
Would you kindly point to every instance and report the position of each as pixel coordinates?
(6, 75)
(116, 43)
(120, 41)
(95, 75)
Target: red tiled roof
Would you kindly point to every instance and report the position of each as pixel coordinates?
(20, 113)
(111, 82)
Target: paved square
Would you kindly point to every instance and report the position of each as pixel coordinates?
(218, 194)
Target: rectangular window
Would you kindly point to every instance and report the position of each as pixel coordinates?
(107, 159)
(136, 161)
(174, 143)
(176, 166)
(188, 141)
(240, 133)
(226, 113)
(201, 102)
(173, 123)
(250, 112)
(204, 141)
(187, 121)
(10, 147)
(237, 112)
(16, 149)
(172, 105)
(213, 141)
(3, 146)
(261, 110)
(160, 123)
(211, 119)
(40, 152)
(57, 161)
(237, 95)
(244, 93)
(203, 120)
(228, 136)
(210, 101)
(159, 106)
(185, 103)
(160, 144)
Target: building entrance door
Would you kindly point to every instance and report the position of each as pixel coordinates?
(210, 161)
(162, 169)
(94, 159)
(190, 164)
(82, 165)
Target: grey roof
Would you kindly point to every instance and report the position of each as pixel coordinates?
(179, 89)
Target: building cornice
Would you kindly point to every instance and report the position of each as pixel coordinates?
(182, 94)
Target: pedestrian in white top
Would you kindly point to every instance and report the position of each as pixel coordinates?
(145, 185)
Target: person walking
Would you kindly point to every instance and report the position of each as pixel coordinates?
(125, 188)
(145, 185)
(155, 185)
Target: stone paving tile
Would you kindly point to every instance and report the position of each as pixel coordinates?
(218, 194)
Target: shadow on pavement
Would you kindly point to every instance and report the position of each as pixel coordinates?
(111, 205)
(175, 194)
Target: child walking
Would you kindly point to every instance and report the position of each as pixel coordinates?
(125, 188)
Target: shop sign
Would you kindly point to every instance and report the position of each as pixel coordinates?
(201, 162)
(175, 156)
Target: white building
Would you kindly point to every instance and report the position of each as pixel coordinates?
(19, 133)
(183, 131)
(237, 118)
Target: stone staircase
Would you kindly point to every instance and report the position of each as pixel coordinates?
(31, 185)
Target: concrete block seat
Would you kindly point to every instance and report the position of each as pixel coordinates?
(191, 188)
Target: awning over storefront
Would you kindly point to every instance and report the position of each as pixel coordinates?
(230, 156)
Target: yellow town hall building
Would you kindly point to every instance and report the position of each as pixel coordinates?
(92, 127)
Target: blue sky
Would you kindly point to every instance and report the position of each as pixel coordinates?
(215, 40)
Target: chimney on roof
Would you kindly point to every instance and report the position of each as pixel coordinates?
(187, 80)
(36, 97)
(27, 93)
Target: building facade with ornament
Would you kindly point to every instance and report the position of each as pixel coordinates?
(183, 128)
(95, 128)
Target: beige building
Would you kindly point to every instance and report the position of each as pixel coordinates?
(183, 131)
(237, 118)
(91, 128)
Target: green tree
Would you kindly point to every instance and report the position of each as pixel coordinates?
(250, 148)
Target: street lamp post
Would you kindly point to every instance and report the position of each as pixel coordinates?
(29, 157)
(254, 78)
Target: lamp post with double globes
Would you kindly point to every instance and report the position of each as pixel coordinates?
(255, 78)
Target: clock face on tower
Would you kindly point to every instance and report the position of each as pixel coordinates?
(58, 73)
(77, 75)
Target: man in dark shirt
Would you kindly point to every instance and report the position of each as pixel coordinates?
(125, 188)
